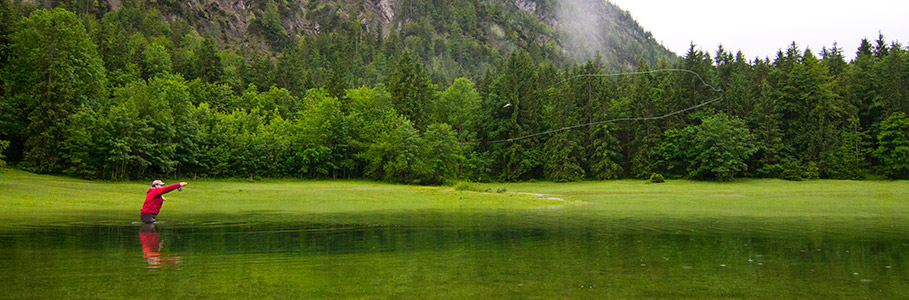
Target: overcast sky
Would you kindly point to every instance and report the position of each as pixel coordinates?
(760, 28)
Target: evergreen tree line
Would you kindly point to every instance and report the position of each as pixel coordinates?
(130, 96)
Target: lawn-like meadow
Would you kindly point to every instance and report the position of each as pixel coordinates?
(39, 199)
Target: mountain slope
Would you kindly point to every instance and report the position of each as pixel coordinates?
(564, 31)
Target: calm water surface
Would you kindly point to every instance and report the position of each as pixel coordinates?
(536, 254)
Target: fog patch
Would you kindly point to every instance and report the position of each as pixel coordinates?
(582, 24)
(499, 34)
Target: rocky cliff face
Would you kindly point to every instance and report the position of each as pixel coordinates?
(525, 5)
(387, 7)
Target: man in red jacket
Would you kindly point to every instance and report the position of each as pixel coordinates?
(153, 200)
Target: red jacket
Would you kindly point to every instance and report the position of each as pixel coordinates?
(153, 199)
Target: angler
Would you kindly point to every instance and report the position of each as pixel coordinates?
(154, 200)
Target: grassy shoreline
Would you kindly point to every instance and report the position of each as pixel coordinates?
(43, 199)
(39, 199)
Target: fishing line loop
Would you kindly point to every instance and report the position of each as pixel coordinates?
(715, 89)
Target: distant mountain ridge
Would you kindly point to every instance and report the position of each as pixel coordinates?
(565, 31)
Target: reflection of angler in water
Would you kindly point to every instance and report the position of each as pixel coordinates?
(151, 245)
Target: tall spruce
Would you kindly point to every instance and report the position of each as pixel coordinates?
(411, 90)
(893, 146)
(54, 69)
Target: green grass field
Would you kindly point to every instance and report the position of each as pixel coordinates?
(40, 199)
(743, 198)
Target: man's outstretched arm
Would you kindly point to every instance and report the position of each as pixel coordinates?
(172, 187)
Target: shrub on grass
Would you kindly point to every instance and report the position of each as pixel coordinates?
(3, 145)
(656, 178)
(468, 186)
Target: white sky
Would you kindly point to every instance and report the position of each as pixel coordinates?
(761, 28)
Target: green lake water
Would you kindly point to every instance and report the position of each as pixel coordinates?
(486, 254)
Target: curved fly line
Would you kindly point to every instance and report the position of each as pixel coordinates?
(704, 82)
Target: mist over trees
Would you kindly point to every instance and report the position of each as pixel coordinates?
(126, 95)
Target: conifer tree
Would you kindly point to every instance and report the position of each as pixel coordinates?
(515, 110)
(207, 61)
(893, 146)
(411, 90)
(54, 68)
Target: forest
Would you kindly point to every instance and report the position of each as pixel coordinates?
(128, 95)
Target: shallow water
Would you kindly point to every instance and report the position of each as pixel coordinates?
(527, 254)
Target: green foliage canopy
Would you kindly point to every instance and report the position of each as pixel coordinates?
(131, 93)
